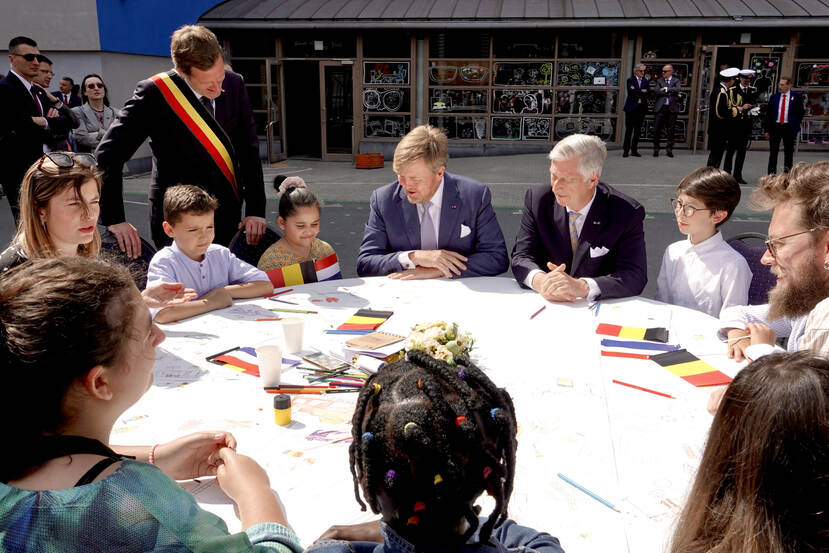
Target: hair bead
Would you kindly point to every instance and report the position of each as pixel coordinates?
(413, 521)
(391, 476)
(419, 506)
(438, 479)
(462, 374)
(459, 420)
(368, 436)
(487, 472)
(493, 412)
(377, 389)
(419, 383)
(409, 425)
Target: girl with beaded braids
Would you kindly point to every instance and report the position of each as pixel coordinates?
(429, 438)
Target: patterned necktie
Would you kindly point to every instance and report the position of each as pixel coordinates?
(574, 234)
(428, 240)
(208, 105)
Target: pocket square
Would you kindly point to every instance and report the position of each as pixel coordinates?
(465, 231)
(598, 252)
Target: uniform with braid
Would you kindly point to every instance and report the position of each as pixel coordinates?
(429, 438)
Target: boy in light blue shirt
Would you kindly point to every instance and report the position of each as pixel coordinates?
(217, 276)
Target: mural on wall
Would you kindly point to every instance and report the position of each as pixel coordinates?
(522, 101)
(458, 100)
(767, 67)
(386, 126)
(588, 73)
(386, 99)
(603, 127)
(812, 74)
(814, 132)
(536, 128)
(465, 128)
(506, 128)
(586, 101)
(385, 72)
(816, 103)
(523, 73)
(462, 73)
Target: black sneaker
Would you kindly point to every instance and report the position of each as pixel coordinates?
(636, 154)
(669, 154)
(625, 154)
(656, 153)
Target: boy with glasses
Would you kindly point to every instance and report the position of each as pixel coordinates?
(703, 272)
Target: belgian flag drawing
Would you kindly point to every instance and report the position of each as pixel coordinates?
(327, 268)
(691, 369)
(656, 334)
(365, 319)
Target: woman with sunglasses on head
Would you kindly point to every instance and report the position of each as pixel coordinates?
(78, 331)
(94, 116)
(59, 211)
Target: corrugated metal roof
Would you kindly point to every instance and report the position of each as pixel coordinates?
(500, 13)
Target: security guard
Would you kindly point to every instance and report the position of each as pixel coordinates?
(745, 96)
(721, 116)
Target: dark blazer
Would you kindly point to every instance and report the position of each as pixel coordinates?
(614, 223)
(637, 97)
(394, 226)
(179, 158)
(795, 110)
(21, 140)
(671, 97)
(74, 100)
(721, 110)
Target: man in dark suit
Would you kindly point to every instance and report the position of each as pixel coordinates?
(64, 93)
(200, 124)
(636, 106)
(430, 223)
(783, 117)
(26, 117)
(665, 110)
(580, 238)
(722, 116)
(745, 95)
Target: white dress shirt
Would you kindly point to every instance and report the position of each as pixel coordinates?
(708, 276)
(434, 210)
(593, 288)
(198, 96)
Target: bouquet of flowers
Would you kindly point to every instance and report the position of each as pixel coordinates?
(440, 339)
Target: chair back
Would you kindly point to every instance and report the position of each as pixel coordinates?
(762, 279)
(138, 266)
(252, 252)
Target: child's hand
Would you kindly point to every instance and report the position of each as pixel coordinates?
(218, 298)
(761, 334)
(193, 455)
(240, 476)
(366, 531)
(736, 347)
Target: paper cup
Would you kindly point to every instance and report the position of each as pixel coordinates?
(293, 329)
(270, 364)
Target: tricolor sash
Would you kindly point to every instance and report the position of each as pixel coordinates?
(327, 268)
(200, 128)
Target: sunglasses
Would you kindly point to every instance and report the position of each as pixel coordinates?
(667, 70)
(95, 85)
(31, 57)
(65, 160)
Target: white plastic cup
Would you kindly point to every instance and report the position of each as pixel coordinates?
(269, 357)
(293, 329)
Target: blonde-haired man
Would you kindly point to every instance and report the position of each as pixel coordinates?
(430, 223)
(580, 238)
(199, 119)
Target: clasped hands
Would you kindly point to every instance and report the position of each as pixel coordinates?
(557, 285)
(754, 333)
(432, 264)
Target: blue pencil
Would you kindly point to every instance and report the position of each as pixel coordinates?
(336, 331)
(604, 502)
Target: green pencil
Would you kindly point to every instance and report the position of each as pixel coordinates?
(290, 310)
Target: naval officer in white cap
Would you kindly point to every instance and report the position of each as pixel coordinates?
(721, 116)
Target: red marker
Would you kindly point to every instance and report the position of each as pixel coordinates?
(537, 312)
(643, 389)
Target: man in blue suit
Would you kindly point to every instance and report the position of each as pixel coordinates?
(783, 118)
(580, 238)
(636, 106)
(430, 223)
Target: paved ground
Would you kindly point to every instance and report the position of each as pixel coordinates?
(346, 190)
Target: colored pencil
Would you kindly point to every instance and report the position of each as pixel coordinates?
(285, 301)
(270, 319)
(604, 502)
(607, 353)
(543, 307)
(643, 389)
(290, 310)
(279, 293)
(337, 331)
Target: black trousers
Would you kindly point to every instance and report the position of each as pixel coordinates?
(633, 124)
(717, 142)
(785, 133)
(664, 119)
(736, 150)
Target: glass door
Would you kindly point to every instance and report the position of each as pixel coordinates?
(337, 101)
(273, 127)
(705, 82)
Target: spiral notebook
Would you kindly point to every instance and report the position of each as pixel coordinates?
(375, 340)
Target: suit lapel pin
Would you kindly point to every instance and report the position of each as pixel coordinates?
(453, 206)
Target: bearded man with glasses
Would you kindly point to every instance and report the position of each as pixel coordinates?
(797, 250)
(27, 117)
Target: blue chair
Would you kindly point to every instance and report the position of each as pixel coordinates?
(762, 279)
(252, 252)
(137, 267)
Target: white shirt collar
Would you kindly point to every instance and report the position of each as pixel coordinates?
(196, 94)
(710, 243)
(586, 209)
(436, 199)
(26, 83)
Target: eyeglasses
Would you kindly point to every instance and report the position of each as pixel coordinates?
(687, 210)
(65, 160)
(31, 57)
(772, 243)
(95, 85)
(667, 70)
(50, 73)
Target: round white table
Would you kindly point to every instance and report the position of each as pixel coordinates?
(635, 449)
